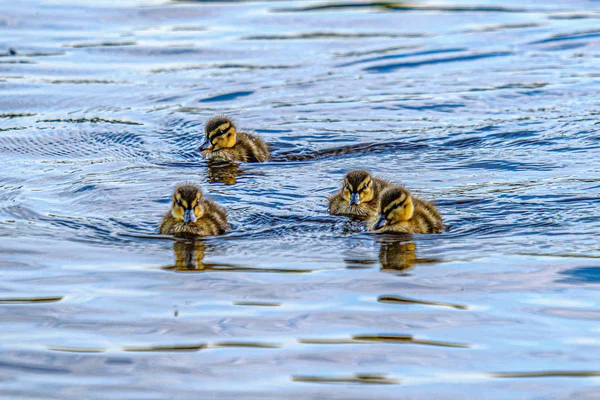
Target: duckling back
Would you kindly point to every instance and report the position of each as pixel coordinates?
(251, 148)
(426, 218)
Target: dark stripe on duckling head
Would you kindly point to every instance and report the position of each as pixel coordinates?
(220, 131)
(215, 122)
(364, 184)
(187, 195)
(357, 177)
(392, 198)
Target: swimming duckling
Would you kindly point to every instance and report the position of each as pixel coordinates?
(192, 215)
(226, 143)
(359, 196)
(400, 212)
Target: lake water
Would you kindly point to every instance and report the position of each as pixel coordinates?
(488, 109)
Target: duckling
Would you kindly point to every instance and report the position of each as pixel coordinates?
(359, 195)
(192, 215)
(400, 212)
(226, 143)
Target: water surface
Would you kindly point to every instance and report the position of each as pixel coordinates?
(488, 109)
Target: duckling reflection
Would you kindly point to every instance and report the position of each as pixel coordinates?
(223, 172)
(188, 256)
(359, 196)
(225, 142)
(397, 253)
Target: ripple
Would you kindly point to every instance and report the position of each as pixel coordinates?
(333, 35)
(442, 60)
(227, 96)
(238, 66)
(16, 115)
(167, 348)
(547, 374)
(408, 339)
(392, 339)
(403, 55)
(592, 33)
(257, 345)
(356, 379)
(398, 6)
(29, 300)
(95, 120)
(107, 43)
(77, 349)
(363, 149)
(256, 303)
(405, 300)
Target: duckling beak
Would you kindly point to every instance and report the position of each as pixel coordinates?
(380, 223)
(207, 145)
(189, 216)
(354, 199)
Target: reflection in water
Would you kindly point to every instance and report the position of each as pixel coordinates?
(192, 347)
(387, 338)
(404, 300)
(188, 255)
(223, 172)
(364, 379)
(77, 350)
(408, 339)
(26, 300)
(399, 252)
(247, 344)
(256, 303)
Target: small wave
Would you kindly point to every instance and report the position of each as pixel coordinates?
(398, 6)
(58, 81)
(414, 64)
(356, 379)
(240, 66)
(351, 150)
(502, 27)
(226, 96)
(333, 35)
(403, 55)
(107, 43)
(95, 120)
(569, 36)
(16, 115)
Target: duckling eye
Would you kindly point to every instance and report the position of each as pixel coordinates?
(178, 202)
(347, 186)
(366, 186)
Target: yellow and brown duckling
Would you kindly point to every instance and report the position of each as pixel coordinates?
(224, 142)
(359, 196)
(400, 212)
(192, 215)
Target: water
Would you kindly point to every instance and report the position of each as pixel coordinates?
(488, 109)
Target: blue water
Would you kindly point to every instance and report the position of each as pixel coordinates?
(490, 110)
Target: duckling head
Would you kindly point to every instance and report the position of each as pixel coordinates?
(395, 206)
(220, 133)
(358, 187)
(186, 205)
